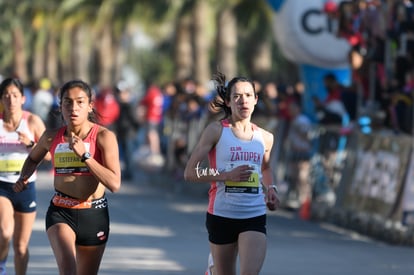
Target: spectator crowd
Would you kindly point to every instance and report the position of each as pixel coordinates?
(160, 128)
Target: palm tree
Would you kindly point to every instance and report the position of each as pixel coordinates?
(226, 41)
(201, 38)
(86, 38)
(74, 37)
(110, 27)
(254, 22)
(13, 15)
(183, 50)
(45, 23)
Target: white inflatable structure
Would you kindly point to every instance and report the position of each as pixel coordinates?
(308, 37)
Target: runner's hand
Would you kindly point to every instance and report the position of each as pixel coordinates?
(241, 173)
(20, 184)
(76, 145)
(272, 201)
(24, 138)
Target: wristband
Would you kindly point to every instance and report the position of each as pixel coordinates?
(274, 187)
(31, 144)
(86, 156)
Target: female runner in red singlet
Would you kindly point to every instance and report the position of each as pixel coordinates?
(86, 162)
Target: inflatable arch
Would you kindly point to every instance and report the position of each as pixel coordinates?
(307, 36)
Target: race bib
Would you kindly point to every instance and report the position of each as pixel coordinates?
(11, 164)
(251, 186)
(66, 161)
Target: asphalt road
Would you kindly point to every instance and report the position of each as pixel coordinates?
(157, 227)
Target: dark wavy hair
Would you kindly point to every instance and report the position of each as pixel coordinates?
(93, 116)
(224, 91)
(11, 81)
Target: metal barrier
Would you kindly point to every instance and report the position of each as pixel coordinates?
(359, 182)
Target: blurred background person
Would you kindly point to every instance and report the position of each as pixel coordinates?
(150, 114)
(43, 99)
(126, 128)
(107, 107)
(299, 154)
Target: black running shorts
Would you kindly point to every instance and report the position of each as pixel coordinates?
(225, 230)
(91, 225)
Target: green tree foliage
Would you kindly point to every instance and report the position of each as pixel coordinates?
(94, 39)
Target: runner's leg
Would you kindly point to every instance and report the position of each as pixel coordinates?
(21, 237)
(224, 256)
(6, 231)
(89, 259)
(252, 251)
(62, 240)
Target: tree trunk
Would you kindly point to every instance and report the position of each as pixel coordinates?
(201, 40)
(227, 43)
(65, 52)
(39, 55)
(81, 54)
(120, 60)
(52, 59)
(261, 60)
(106, 60)
(19, 55)
(183, 49)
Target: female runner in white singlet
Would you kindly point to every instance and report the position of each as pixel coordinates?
(240, 177)
(19, 132)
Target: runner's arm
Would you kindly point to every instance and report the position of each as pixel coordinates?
(272, 200)
(108, 173)
(195, 171)
(35, 157)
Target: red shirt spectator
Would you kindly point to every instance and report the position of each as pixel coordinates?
(153, 101)
(107, 106)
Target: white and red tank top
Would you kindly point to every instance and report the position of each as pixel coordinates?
(237, 200)
(13, 153)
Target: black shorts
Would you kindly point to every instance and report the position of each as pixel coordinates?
(225, 230)
(24, 201)
(91, 225)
